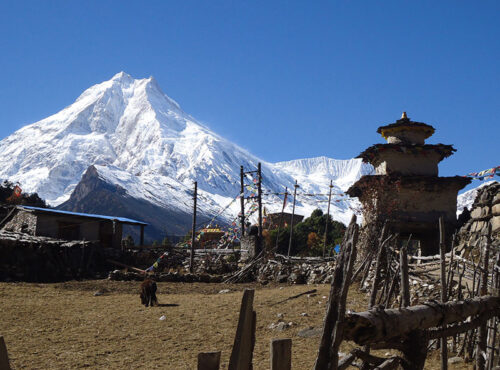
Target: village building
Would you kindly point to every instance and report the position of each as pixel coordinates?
(406, 190)
(274, 220)
(53, 223)
(209, 237)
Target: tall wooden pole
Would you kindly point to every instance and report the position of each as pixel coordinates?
(259, 184)
(193, 231)
(242, 200)
(327, 217)
(442, 252)
(281, 219)
(293, 214)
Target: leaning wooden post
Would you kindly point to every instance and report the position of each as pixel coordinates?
(405, 281)
(338, 332)
(442, 252)
(244, 341)
(281, 354)
(483, 330)
(193, 230)
(209, 360)
(335, 311)
(4, 358)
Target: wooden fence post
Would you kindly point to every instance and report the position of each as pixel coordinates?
(244, 341)
(281, 354)
(208, 360)
(4, 358)
(444, 298)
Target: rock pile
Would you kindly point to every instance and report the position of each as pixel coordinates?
(289, 271)
(280, 269)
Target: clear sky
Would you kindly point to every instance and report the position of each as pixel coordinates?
(284, 79)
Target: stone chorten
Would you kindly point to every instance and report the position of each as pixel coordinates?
(406, 189)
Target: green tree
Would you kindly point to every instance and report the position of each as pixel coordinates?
(301, 232)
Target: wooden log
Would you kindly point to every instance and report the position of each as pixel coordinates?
(4, 357)
(244, 341)
(281, 354)
(209, 360)
(381, 325)
(357, 353)
(462, 328)
(390, 363)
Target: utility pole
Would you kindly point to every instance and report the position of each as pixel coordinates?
(193, 231)
(281, 219)
(259, 184)
(242, 201)
(327, 217)
(293, 214)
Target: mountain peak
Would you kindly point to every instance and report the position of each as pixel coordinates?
(122, 76)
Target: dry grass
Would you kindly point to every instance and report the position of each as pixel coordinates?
(64, 326)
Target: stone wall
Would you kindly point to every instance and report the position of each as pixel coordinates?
(485, 211)
(22, 222)
(407, 163)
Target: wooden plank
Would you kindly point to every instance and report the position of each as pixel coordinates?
(209, 360)
(244, 341)
(4, 358)
(281, 354)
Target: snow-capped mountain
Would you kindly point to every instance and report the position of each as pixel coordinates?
(140, 140)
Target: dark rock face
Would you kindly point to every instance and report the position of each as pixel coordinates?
(94, 195)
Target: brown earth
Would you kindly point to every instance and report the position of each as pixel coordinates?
(64, 326)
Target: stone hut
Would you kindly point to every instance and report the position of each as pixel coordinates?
(53, 223)
(406, 190)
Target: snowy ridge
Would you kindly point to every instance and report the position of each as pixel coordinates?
(141, 140)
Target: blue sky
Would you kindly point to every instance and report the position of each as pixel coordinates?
(284, 79)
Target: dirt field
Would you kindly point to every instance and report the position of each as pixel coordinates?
(64, 326)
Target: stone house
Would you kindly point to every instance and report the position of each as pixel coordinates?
(106, 230)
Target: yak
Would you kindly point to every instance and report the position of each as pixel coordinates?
(148, 293)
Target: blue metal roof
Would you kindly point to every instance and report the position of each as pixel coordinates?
(122, 220)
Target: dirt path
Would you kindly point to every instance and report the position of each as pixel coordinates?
(64, 326)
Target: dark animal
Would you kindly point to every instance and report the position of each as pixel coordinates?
(148, 293)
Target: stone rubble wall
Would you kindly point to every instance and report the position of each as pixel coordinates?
(485, 212)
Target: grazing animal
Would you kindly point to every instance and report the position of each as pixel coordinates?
(148, 293)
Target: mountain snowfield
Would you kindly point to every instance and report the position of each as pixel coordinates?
(139, 139)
